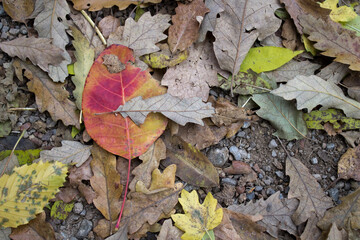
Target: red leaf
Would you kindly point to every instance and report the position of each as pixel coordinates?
(105, 92)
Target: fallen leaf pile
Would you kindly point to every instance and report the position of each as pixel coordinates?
(140, 90)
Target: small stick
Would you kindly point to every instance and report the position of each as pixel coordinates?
(95, 27)
(22, 109)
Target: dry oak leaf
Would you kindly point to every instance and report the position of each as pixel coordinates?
(333, 40)
(185, 28)
(232, 43)
(108, 25)
(141, 36)
(194, 76)
(227, 113)
(276, 213)
(95, 5)
(349, 164)
(150, 161)
(169, 232)
(19, 10)
(209, 21)
(106, 183)
(49, 96)
(39, 51)
(37, 228)
(334, 72)
(305, 188)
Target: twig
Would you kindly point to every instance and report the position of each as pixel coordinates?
(95, 27)
(22, 109)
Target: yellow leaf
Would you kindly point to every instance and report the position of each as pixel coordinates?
(343, 14)
(198, 219)
(27, 190)
(309, 46)
(329, 4)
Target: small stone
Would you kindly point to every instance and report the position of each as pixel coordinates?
(218, 156)
(340, 185)
(246, 125)
(280, 174)
(40, 126)
(289, 146)
(330, 146)
(84, 229)
(278, 164)
(23, 30)
(332, 178)
(83, 213)
(334, 194)
(2, 11)
(250, 196)
(268, 180)
(73, 238)
(281, 196)
(273, 144)
(240, 189)
(47, 136)
(33, 119)
(314, 161)
(260, 176)
(258, 188)
(213, 93)
(14, 31)
(4, 35)
(267, 168)
(243, 153)
(78, 208)
(35, 140)
(236, 153)
(241, 134)
(270, 191)
(323, 145)
(230, 181)
(5, 29)
(273, 153)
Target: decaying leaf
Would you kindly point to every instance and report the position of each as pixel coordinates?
(71, 152)
(333, 40)
(336, 234)
(151, 161)
(5, 232)
(113, 64)
(181, 111)
(276, 213)
(312, 91)
(292, 69)
(209, 21)
(232, 43)
(49, 96)
(199, 219)
(283, 116)
(193, 166)
(37, 228)
(194, 76)
(40, 51)
(184, 30)
(169, 232)
(227, 113)
(84, 59)
(349, 164)
(19, 10)
(9, 164)
(23, 156)
(334, 72)
(94, 5)
(141, 36)
(60, 210)
(108, 25)
(351, 137)
(303, 186)
(104, 92)
(106, 183)
(27, 190)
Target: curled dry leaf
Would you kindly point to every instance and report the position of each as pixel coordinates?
(184, 30)
(349, 164)
(39, 51)
(19, 10)
(49, 96)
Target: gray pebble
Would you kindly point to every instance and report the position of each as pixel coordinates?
(84, 229)
(340, 185)
(2, 11)
(267, 168)
(314, 161)
(78, 207)
(243, 153)
(47, 136)
(236, 153)
(334, 194)
(14, 31)
(5, 29)
(4, 35)
(330, 146)
(246, 125)
(273, 144)
(230, 181)
(258, 188)
(73, 238)
(332, 178)
(280, 174)
(250, 196)
(273, 153)
(64, 235)
(83, 212)
(281, 196)
(270, 191)
(260, 176)
(218, 156)
(213, 93)
(289, 146)
(1, 25)
(241, 134)
(23, 30)
(33, 119)
(268, 180)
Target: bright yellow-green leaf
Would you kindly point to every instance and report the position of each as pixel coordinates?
(27, 190)
(263, 59)
(24, 156)
(70, 68)
(316, 120)
(74, 131)
(61, 210)
(198, 219)
(164, 59)
(85, 57)
(353, 25)
(343, 14)
(309, 47)
(138, 13)
(329, 4)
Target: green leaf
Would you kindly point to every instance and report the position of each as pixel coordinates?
(263, 59)
(61, 210)
(164, 58)
(27, 190)
(138, 13)
(353, 25)
(282, 115)
(85, 57)
(5, 128)
(316, 120)
(24, 156)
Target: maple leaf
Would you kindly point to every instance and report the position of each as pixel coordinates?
(312, 91)
(94, 5)
(27, 190)
(49, 96)
(184, 30)
(199, 219)
(333, 40)
(40, 51)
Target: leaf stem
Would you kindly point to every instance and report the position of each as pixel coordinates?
(95, 27)
(207, 232)
(125, 194)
